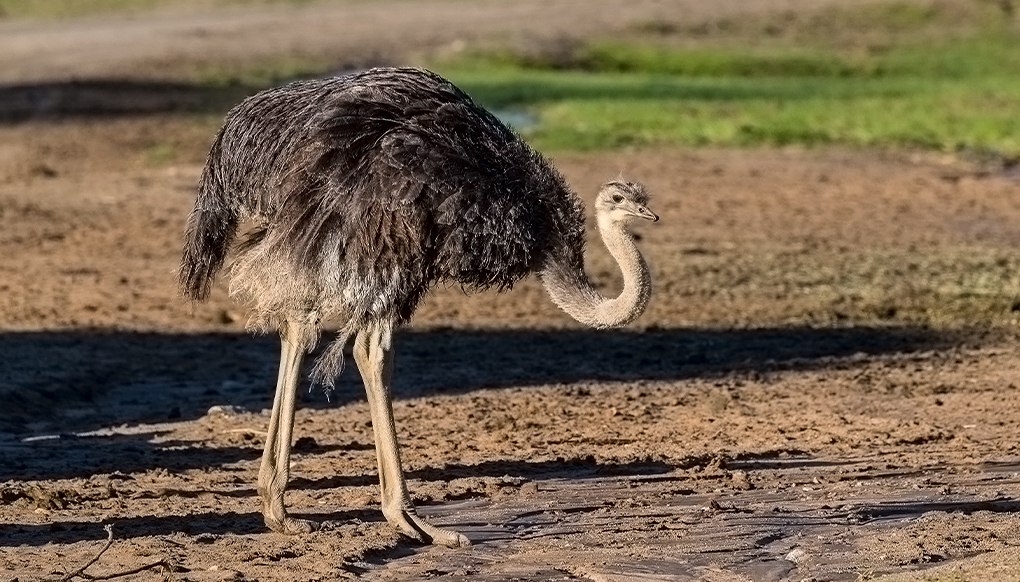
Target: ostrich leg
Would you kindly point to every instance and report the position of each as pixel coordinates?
(373, 352)
(275, 469)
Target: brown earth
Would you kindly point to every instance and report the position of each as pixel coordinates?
(821, 389)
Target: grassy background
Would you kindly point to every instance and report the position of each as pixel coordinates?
(943, 76)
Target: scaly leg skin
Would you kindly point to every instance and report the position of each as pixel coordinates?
(275, 470)
(374, 355)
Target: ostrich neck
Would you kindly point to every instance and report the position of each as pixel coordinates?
(572, 290)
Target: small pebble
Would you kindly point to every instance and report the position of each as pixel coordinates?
(796, 555)
(226, 410)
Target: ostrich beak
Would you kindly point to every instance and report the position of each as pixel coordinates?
(641, 211)
(638, 210)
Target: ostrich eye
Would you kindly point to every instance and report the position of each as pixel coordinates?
(617, 199)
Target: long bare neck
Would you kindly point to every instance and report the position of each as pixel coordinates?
(570, 288)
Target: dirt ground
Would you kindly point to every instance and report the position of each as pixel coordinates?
(822, 388)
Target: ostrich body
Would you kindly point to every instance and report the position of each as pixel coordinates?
(364, 191)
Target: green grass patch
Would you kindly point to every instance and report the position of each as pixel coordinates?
(995, 52)
(615, 56)
(935, 76)
(585, 111)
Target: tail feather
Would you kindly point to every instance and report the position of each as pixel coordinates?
(207, 236)
(330, 363)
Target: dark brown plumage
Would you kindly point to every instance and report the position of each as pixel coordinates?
(392, 175)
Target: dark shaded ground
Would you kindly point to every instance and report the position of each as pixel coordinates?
(185, 374)
(62, 100)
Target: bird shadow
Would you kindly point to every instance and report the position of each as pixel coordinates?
(155, 377)
(455, 361)
(56, 384)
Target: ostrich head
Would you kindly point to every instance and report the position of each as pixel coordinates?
(620, 202)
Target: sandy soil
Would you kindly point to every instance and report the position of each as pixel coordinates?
(822, 388)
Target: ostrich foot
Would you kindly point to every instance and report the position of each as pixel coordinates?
(275, 515)
(290, 526)
(413, 526)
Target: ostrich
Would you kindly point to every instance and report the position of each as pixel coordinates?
(364, 191)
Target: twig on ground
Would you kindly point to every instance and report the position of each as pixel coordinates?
(109, 542)
(80, 572)
(164, 563)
